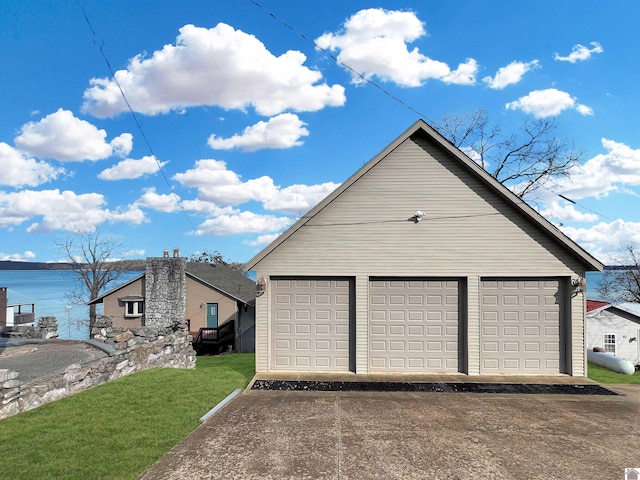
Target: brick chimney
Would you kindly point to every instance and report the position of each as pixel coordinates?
(165, 290)
(3, 306)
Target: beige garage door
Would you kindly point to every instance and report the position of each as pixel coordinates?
(520, 326)
(310, 330)
(413, 325)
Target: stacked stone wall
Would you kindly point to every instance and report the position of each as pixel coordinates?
(45, 328)
(128, 351)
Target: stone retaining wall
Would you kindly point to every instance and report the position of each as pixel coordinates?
(128, 351)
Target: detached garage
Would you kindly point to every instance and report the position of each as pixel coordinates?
(421, 263)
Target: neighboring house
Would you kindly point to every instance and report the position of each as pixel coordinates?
(172, 289)
(422, 262)
(615, 329)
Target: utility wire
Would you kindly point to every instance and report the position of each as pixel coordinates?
(100, 44)
(385, 91)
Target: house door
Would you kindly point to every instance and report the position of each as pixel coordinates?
(212, 315)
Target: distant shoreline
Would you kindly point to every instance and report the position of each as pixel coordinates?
(129, 265)
(11, 265)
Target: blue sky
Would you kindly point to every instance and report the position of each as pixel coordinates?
(246, 122)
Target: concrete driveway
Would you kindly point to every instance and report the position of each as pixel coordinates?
(361, 435)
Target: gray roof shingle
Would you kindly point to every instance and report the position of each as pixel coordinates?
(225, 279)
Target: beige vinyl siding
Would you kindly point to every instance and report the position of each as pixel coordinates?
(113, 308)
(362, 323)
(577, 361)
(467, 228)
(198, 295)
(473, 325)
(263, 326)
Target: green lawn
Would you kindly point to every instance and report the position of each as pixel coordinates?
(118, 429)
(604, 375)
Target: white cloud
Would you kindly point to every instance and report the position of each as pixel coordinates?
(62, 136)
(547, 103)
(510, 74)
(606, 240)
(374, 42)
(161, 202)
(584, 110)
(51, 210)
(130, 214)
(244, 222)
(282, 131)
(220, 186)
(566, 213)
(18, 257)
(19, 171)
(579, 53)
(224, 187)
(133, 253)
(298, 199)
(219, 66)
(209, 208)
(130, 168)
(263, 240)
(603, 174)
(122, 145)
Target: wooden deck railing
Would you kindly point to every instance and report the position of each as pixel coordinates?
(214, 339)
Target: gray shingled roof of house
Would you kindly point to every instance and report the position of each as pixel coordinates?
(225, 279)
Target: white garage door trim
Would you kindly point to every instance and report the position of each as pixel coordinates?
(312, 324)
(415, 325)
(522, 326)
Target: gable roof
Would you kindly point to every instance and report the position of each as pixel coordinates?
(595, 304)
(220, 277)
(421, 128)
(100, 298)
(224, 279)
(630, 311)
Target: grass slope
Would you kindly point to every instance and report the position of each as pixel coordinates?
(118, 429)
(604, 375)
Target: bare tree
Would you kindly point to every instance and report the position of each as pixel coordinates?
(622, 282)
(94, 259)
(523, 160)
(215, 257)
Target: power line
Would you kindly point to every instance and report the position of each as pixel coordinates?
(100, 44)
(385, 91)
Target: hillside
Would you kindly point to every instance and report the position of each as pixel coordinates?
(11, 265)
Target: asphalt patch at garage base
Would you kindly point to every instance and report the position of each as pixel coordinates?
(463, 387)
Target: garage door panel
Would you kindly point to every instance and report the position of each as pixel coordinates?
(520, 326)
(311, 326)
(413, 325)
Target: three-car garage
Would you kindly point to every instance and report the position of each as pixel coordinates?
(421, 262)
(418, 325)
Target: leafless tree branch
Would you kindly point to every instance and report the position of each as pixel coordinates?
(523, 161)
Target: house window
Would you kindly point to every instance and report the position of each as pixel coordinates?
(133, 309)
(610, 343)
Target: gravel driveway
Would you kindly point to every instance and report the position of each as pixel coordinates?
(38, 360)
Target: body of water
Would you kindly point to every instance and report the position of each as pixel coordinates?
(50, 290)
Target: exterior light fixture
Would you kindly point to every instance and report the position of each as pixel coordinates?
(261, 286)
(417, 216)
(578, 285)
